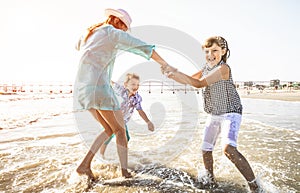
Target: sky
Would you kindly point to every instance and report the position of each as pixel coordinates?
(38, 36)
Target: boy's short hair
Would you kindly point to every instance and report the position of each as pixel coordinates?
(130, 76)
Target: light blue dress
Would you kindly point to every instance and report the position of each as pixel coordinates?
(92, 88)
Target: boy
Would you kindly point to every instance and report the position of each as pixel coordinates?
(131, 100)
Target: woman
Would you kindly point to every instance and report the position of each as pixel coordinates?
(93, 91)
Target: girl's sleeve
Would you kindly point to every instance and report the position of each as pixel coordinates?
(131, 44)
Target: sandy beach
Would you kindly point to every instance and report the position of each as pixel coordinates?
(284, 95)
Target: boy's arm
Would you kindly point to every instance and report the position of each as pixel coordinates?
(145, 118)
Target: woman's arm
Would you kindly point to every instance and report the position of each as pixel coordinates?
(157, 58)
(196, 80)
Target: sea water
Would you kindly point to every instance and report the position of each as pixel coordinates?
(42, 141)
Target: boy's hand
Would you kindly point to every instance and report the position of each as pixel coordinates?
(150, 126)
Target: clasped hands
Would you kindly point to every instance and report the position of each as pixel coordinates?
(168, 70)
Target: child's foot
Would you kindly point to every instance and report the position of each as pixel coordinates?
(126, 174)
(207, 184)
(86, 171)
(206, 181)
(254, 188)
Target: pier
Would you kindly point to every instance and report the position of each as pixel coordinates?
(6, 89)
(145, 86)
(148, 86)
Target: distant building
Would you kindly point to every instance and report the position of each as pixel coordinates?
(248, 83)
(275, 83)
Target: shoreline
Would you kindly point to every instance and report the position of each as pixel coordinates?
(283, 95)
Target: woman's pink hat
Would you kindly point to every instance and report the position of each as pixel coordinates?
(121, 14)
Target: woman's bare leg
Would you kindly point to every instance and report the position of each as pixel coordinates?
(103, 149)
(85, 166)
(116, 122)
(104, 146)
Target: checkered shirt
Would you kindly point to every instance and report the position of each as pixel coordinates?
(221, 97)
(128, 104)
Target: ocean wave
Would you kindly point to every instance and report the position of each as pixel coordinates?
(25, 110)
(43, 157)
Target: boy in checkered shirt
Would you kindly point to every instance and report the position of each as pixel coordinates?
(131, 100)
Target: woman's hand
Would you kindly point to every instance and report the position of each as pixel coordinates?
(168, 70)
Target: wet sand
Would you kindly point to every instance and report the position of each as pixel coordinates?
(284, 95)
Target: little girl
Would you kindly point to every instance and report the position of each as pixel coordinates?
(131, 100)
(222, 103)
